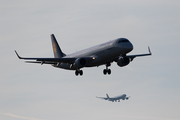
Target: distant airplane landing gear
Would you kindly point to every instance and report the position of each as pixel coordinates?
(105, 71)
(77, 72)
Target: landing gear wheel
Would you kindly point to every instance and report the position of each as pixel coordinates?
(104, 71)
(81, 72)
(77, 72)
(109, 71)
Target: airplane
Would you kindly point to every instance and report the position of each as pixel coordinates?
(123, 97)
(102, 54)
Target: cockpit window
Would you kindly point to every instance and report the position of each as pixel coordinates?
(122, 40)
(125, 41)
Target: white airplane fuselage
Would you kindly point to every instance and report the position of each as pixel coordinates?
(123, 97)
(101, 53)
(115, 99)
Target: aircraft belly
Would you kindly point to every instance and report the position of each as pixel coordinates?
(105, 56)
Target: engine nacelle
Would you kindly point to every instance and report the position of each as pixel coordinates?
(80, 62)
(123, 61)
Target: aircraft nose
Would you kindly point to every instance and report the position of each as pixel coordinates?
(129, 47)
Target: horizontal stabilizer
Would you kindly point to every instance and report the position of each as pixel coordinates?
(40, 62)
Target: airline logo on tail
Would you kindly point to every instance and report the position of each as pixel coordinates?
(54, 48)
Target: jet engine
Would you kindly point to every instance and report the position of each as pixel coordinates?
(123, 61)
(80, 62)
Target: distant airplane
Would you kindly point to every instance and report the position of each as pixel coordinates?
(123, 97)
(103, 54)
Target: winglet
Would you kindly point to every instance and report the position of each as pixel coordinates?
(149, 50)
(18, 55)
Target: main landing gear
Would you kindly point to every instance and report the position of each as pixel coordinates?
(78, 72)
(105, 71)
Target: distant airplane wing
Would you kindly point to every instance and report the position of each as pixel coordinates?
(51, 60)
(139, 55)
(102, 98)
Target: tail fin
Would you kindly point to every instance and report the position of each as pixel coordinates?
(107, 95)
(56, 49)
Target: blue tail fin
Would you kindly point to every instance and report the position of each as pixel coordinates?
(56, 49)
(107, 95)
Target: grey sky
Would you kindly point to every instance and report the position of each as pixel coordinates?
(35, 92)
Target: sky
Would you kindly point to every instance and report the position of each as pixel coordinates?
(42, 92)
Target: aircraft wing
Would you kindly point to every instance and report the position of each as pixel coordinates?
(51, 60)
(102, 98)
(139, 55)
